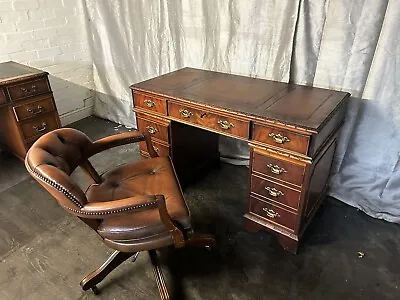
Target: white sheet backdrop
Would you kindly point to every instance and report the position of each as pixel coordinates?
(339, 44)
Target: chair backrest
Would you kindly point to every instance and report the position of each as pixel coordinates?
(53, 158)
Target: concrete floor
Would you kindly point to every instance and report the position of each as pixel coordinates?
(44, 252)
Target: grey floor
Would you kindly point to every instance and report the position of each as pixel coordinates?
(44, 252)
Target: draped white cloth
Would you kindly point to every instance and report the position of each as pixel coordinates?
(339, 44)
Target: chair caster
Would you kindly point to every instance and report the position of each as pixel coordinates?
(95, 290)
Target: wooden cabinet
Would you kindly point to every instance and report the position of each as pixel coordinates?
(27, 108)
(291, 130)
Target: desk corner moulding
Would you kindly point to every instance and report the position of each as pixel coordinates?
(291, 130)
(27, 107)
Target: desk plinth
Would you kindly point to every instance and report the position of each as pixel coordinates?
(292, 132)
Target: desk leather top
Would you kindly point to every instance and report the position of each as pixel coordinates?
(11, 71)
(292, 104)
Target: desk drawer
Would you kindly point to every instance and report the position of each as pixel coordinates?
(281, 138)
(272, 213)
(228, 125)
(157, 130)
(38, 126)
(33, 109)
(161, 149)
(275, 192)
(3, 99)
(28, 89)
(150, 103)
(278, 169)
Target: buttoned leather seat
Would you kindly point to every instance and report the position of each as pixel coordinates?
(146, 177)
(134, 207)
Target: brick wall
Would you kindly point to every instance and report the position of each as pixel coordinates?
(51, 35)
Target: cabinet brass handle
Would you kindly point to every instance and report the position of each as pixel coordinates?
(276, 169)
(29, 91)
(149, 103)
(225, 125)
(40, 128)
(151, 129)
(274, 192)
(271, 213)
(279, 138)
(185, 113)
(156, 149)
(35, 111)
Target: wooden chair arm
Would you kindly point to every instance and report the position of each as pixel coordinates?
(177, 235)
(122, 139)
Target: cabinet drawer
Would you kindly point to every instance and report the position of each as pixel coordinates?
(28, 89)
(33, 109)
(228, 125)
(278, 169)
(281, 138)
(157, 130)
(39, 126)
(161, 149)
(150, 103)
(272, 213)
(275, 192)
(2, 97)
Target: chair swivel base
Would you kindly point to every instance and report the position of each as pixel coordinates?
(91, 280)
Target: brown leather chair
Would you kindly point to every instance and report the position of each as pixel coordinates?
(135, 207)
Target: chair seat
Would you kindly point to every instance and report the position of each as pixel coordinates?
(153, 176)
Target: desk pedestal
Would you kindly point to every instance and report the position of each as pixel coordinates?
(285, 194)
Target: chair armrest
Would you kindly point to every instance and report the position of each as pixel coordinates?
(108, 209)
(122, 139)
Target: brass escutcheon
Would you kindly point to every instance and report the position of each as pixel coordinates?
(225, 124)
(274, 192)
(149, 103)
(151, 129)
(185, 113)
(276, 169)
(29, 91)
(40, 128)
(278, 138)
(156, 149)
(35, 111)
(271, 213)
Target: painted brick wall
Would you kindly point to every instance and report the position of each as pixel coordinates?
(51, 35)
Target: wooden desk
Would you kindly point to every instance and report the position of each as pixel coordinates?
(291, 130)
(27, 108)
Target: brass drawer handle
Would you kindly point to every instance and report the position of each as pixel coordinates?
(151, 129)
(279, 138)
(185, 113)
(35, 111)
(274, 192)
(149, 103)
(271, 213)
(29, 91)
(156, 149)
(40, 128)
(225, 125)
(276, 169)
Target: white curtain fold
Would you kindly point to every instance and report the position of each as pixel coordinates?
(344, 45)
